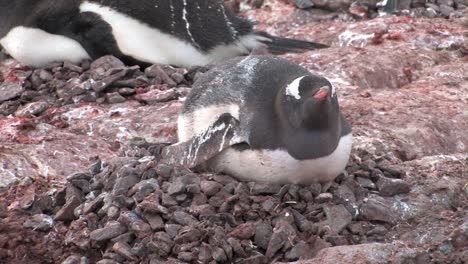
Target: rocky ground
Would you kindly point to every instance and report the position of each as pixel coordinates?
(81, 181)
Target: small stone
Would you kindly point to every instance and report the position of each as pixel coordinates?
(219, 255)
(122, 185)
(337, 217)
(300, 250)
(210, 188)
(187, 235)
(114, 98)
(10, 90)
(315, 189)
(366, 183)
(134, 222)
(110, 230)
(39, 222)
(140, 190)
(263, 232)
(123, 250)
(324, 198)
(446, 10)
(243, 231)
(283, 234)
(377, 230)
(156, 222)
(105, 63)
(303, 4)
(66, 213)
(186, 256)
(31, 109)
(74, 259)
(260, 188)
(376, 210)
(157, 96)
(161, 244)
(127, 91)
(183, 218)
(172, 230)
(390, 187)
(95, 204)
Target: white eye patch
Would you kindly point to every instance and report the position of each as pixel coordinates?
(293, 88)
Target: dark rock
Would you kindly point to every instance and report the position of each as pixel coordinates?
(303, 4)
(390, 187)
(122, 185)
(161, 244)
(155, 221)
(300, 250)
(172, 230)
(10, 90)
(210, 187)
(263, 233)
(123, 250)
(219, 255)
(110, 230)
(75, 259)
(244, 231)
(115, 98)
(375, 209)
(257, 188)
(101, 85)
(204, 255)
(338, 217)
(39, 222)
(187, 235)
(283, 235)
(100, 66)
(140, 190)
(186, 256)
(66, 213)
(183, 218)
(9, 107)
(95, 204)
(366, 183)
(134, 222)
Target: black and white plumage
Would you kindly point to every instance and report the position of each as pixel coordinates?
(264, 118)
(177, 32)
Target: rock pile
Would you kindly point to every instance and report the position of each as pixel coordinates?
(139, 209)
(26, 93)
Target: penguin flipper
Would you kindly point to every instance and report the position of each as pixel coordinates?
(279, 45)
(222, 134)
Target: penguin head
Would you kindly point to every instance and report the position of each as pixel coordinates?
(309, 102)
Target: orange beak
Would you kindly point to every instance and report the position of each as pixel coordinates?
(322, 93)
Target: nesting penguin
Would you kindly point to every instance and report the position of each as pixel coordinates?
(144, 32)
(263, 118)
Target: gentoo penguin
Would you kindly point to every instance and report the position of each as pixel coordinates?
(144, 32)
(263, 118)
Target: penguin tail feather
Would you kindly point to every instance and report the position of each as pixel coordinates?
(279, 45)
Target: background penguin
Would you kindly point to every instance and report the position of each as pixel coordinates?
(263, 118)
(177, 32)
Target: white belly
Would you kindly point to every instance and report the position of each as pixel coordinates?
(35, 47)
(148, 44)
(279, 166)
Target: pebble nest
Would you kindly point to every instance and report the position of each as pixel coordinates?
(136, 209)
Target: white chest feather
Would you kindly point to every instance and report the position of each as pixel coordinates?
(279, 166)
(35, 47)
(149, 44)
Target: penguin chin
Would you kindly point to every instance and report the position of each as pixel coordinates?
(315, 113)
